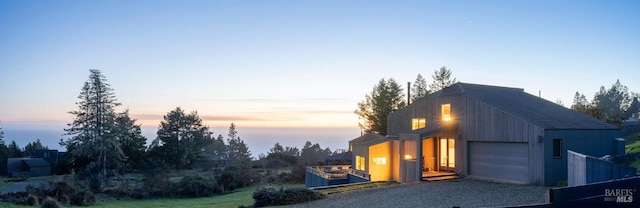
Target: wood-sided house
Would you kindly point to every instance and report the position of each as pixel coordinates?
(491, 132)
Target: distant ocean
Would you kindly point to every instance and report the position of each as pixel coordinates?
(259, 140)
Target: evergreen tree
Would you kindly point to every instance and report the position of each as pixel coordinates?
(419, 88)
(93, 140)
(217, 147)
(31, 146)
(313, 154)
(181, 138)
(13, 150)
(441, 79)
(277, 148)
(3, 153)
(238, 151)
(132, 143)
(385, 98)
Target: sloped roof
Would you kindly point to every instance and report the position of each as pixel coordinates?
(516, 102)
(36, 162)
(341, 156)
(366, 137)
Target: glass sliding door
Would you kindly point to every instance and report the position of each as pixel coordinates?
(447, 153)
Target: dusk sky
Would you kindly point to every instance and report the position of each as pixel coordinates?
(292, 71)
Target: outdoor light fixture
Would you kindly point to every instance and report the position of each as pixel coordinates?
(408, 157)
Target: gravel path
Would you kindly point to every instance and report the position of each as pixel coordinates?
(453, 193)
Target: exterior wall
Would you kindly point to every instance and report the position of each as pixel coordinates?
(395, 160)
(40, 171)
(380, 172)
(360, 150)
(595, 143)
(476, 121)
(16, 165)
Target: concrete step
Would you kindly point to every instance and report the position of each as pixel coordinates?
(441, 178)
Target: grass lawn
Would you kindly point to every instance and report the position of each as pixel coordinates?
(632, 138)
(239, 197)
(635, 164)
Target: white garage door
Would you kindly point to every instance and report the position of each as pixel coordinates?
(499, 160)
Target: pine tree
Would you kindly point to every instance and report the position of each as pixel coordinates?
(419, 88)
(385, 98)
(132, 143)
(13, 150)
(182, 137)
(31, 146)
(93, 140)
(441, 79)
(237, 149)
(217, 147)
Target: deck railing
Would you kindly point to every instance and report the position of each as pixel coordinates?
(360, 174)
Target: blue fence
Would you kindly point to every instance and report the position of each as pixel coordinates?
(615, 193)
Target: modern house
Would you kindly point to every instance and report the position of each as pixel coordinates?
(41, 163)
(489, 132)
(28, 167)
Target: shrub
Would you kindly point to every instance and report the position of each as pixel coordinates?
(265, 195)
(82, 198)
(157, 185)
(32, 200)
(270, 196)
(298, 195)
(196, 186)
(60, 190)
(50, 202)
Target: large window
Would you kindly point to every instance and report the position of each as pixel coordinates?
(359, 163)
(418, 123)
(379, 160)
(557, 148)
(446, 112)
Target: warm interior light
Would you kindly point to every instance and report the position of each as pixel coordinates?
(407, 157)
(446, 112)
(380, 160)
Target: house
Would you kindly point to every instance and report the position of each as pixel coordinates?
(28, 167)
(481, 131)
(51, 156)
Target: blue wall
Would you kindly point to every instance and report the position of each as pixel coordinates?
(595, 143)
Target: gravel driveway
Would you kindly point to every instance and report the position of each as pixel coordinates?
(453, 193)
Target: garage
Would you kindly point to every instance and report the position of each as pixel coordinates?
(499, 160)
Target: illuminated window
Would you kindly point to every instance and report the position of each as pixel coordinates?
(409, 148)
(446, 112)
(380, 160)
(359, 163)
(418, 123)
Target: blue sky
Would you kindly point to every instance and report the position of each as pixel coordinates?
(298, 64)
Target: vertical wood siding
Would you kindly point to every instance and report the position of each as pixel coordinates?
(477, 121)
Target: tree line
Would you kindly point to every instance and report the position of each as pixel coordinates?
(105, 142)
(613, 105)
